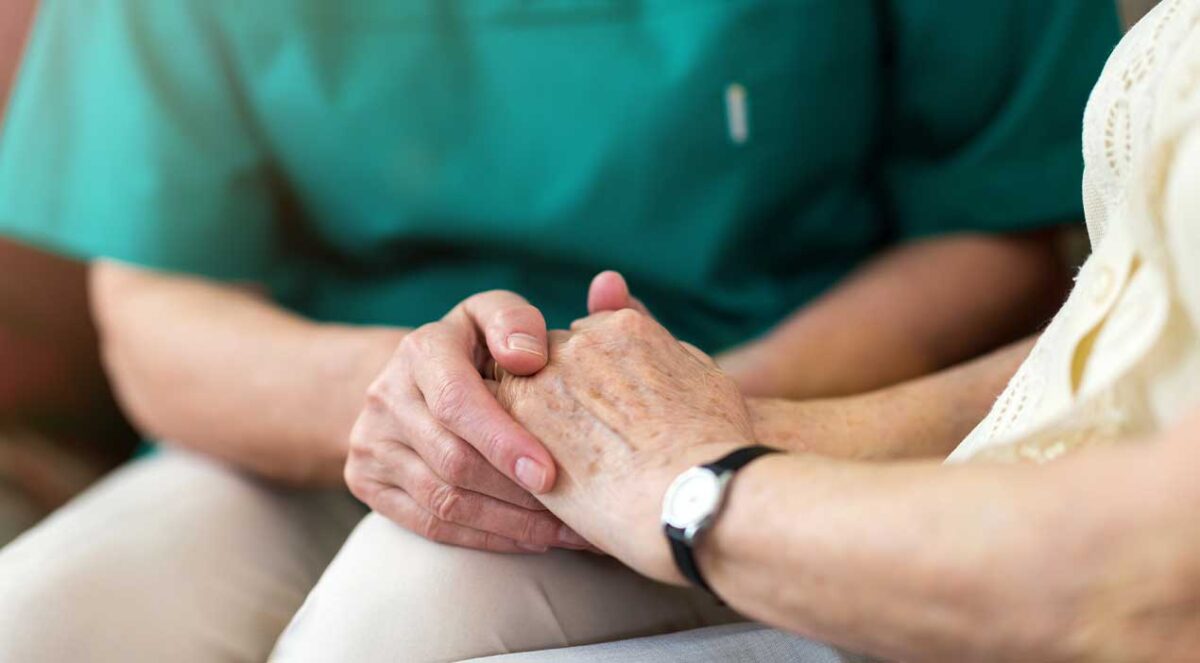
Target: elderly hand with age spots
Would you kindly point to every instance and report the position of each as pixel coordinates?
(433, 451)
(624, 408)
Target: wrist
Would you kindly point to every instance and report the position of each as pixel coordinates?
(695, 502)
(350, 358)
(885, 425)
(780, 423)
(734, 531)
(835, 427)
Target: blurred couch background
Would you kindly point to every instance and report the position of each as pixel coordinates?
(1135, 9)
(59, 426)
(15, 16)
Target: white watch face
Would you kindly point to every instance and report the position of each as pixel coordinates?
(694, 496)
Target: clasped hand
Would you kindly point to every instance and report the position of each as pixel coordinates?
(573, 448)
(624, 408)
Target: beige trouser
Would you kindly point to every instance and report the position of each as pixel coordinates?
(172, 558)
(393, 596)
(177, 558)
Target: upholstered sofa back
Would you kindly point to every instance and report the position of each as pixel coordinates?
(15, 17)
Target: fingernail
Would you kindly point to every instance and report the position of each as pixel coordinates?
(531, 474)
(569, 537)
(533, 548)
(526, 343)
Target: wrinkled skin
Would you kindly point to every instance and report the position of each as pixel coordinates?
(624, 408)
(434, 453)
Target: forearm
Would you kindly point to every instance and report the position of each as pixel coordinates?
(229, 374)
(926, 417)
(916, 309)
(1091, 558)
(906, 560)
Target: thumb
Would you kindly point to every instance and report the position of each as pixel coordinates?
(610, 292)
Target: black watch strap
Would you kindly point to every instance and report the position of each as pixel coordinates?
(740, 458)
(681, 549)
(685, 559)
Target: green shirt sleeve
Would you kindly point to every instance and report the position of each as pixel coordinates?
(985, 121)
(126, 139)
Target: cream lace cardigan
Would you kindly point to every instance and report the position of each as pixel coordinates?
(1122, 357)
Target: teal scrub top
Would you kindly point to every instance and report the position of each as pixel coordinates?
(376, 161)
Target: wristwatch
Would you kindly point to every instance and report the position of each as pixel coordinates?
(693, 502)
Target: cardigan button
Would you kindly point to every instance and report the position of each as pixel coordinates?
(1102, 285)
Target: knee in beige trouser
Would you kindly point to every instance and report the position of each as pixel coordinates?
(393, 596)
(174, 558)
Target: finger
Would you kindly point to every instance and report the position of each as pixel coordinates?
(465, 507)
(400, 508)
(494, 374)
(455, 461)
(610, 292)
(457, 398)
(513, 330)
(501, 384)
